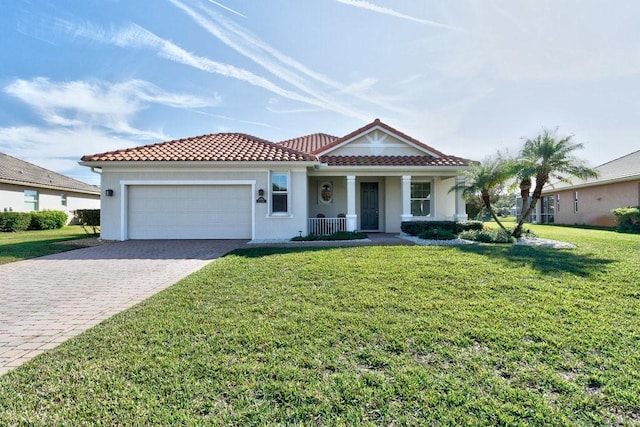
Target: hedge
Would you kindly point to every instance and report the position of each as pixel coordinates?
(414, 228)
(437, 234)
(88, 218)
(48, 220)
(14, 221)
(628, 219)
(37, 220)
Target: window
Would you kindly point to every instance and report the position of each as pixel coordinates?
(63, 199)
(279, 192)
(558, 202)
(575, 201)
(30, 200)
(420, 198)
(547, 214)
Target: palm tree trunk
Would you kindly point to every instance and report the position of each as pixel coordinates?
(487, 203)
(525, 186)
(537, 193)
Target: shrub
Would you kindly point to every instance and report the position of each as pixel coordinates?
(437, 234)
(628, 219)
(488, 236)
(88, 218)
(414, 228)
(14, 221)
(48, 220)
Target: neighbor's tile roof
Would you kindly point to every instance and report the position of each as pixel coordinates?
(217, 147)
(394, 161)
(309, 143)
(382, 125)
(19, 172)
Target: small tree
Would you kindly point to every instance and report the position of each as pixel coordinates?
(483, 179)
(543, 157)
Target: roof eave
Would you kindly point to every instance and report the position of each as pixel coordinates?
(145, 163)
(549, 189)
(48, 186)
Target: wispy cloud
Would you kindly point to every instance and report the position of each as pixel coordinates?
(226, 8)
(316, 85)
(387, 11)
(133, 36)
(99, 104)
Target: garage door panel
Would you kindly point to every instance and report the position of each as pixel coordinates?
(189, 212)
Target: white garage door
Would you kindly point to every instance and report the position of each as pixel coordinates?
(189, 212)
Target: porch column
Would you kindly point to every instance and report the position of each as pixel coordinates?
(352, 217)
(461, 207)
(406, 198)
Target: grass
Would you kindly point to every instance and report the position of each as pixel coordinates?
(404, 335)
(30, 244)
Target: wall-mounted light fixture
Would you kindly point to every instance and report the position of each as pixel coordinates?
(261, 198)
(109, 192)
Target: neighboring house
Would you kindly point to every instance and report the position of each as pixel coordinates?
(232, 185)
(25, 187)
(589, 202)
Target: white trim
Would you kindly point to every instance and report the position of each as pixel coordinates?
(432, 196)
(124, 184)
(288, 213)
(383, 130)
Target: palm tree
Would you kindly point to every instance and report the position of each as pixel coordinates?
(484, 178)
(547, 156)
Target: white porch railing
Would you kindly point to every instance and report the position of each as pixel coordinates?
(326, 226)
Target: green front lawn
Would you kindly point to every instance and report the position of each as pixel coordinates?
(480, 334)
(34, 243)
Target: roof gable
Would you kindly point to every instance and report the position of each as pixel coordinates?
(20, 172)
(218, 147)
(378, 138)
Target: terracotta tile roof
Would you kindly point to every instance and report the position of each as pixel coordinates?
(19, 172)
(217, 147)
(382, 125)
(394, 161)
(309, 143)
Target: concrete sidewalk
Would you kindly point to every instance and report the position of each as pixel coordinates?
(45, 301)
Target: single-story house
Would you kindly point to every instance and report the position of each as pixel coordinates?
(238, 186)
(590, 201)
(25, 187)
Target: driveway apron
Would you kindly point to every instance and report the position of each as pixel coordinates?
(47, 300)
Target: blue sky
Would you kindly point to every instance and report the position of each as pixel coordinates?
(468, 77)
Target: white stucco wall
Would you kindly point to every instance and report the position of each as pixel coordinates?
(445, 201)
(266, 226)
(393, 205)
(12, 199)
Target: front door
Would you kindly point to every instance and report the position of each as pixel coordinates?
(369, 206)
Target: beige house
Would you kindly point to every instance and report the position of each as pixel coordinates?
(238, 186)
(590, 202)
(25, 187)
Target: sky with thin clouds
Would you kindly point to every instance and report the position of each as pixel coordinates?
(468, 77)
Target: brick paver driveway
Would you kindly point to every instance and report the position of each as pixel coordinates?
(45, 301)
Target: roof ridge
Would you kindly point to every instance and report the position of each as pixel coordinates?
(618, 158)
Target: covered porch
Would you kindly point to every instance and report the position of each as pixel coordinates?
(379, 202)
